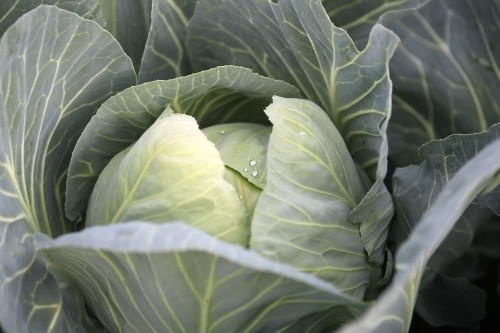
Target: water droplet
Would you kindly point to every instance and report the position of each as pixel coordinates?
(302, 133)
(254, 173)
(241, 197)
(261, 157)
(222, 132)
(253, 163)
(245, 170)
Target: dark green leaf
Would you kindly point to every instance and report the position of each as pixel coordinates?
(11, 10)
(358, 17)
(445, 73)
(57, 68)
(394, 308)
(165, 56)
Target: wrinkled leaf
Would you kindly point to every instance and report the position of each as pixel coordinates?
(165, 56)
(445, 73)
(172, 173)
(11, 10)
(393, 310)
(146, 278)
(303, 220)
(221, 95)
(243, 147)
(56, 70)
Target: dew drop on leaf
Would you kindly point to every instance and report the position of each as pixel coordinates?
(254, 173)
(222, 132)
(253, 163)
(302, 133)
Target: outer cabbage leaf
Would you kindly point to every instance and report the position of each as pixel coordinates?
(243, 147)
(221, 95)
(445, 72)
(146, 278)
(129, 21)
(172, 173)
(11, 10)
(57, 68)
(358, 17)
(416, 189)
(302, 217)
(165, 56)
(295, 41)
(393, 310)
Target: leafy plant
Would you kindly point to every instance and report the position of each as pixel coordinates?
(222, 166)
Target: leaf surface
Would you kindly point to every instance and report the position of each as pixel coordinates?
(445, 73)
(302, 217)
(359, 17)
(57, 68)
(11, 10)
(243, 147)
(416, 188)
(129, 21)
(143, 278)
(165, 56)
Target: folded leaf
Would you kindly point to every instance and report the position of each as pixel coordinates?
(146, 278)
(172, 173)
(393, 310)
(416, 188)
(243, 147)
(56, 69)
(221, 95)
(302, 217)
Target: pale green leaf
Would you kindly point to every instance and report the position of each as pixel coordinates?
(11, 10)
(172, 173)
(302, 217)
(243, 147)
(146, 278)
(56, 69)
(221, 95)
(394, 308)
(165, 56)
